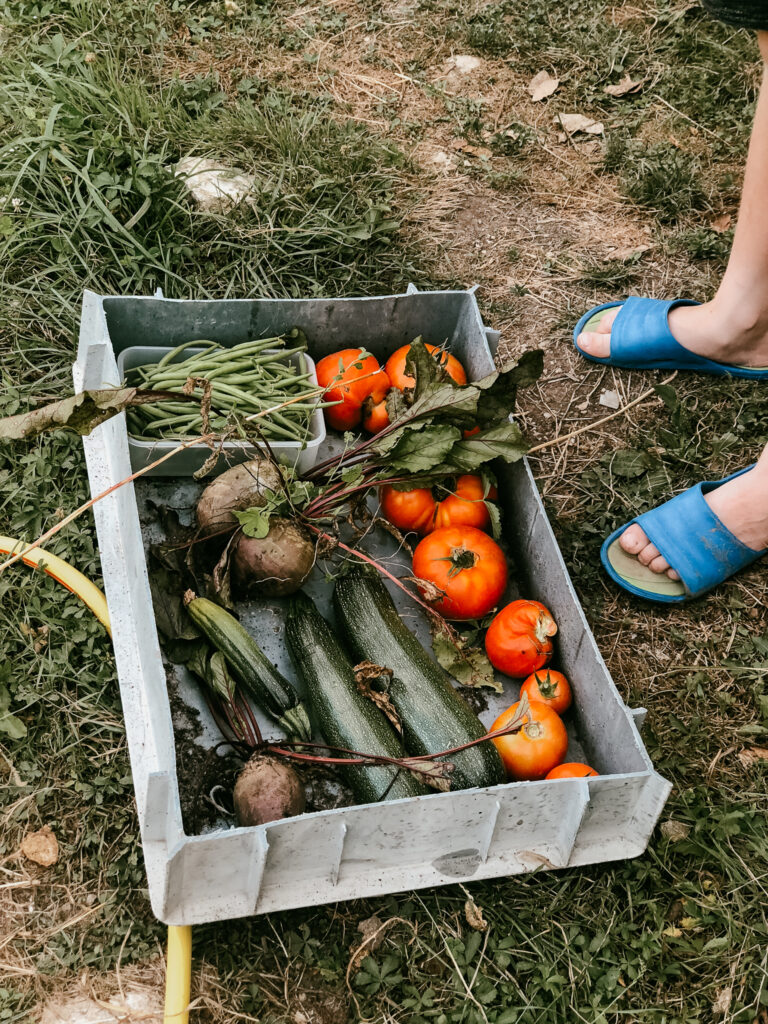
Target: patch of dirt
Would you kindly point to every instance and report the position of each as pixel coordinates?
(325, 788)
(313, 1001)
(475, 697)
(200, 770)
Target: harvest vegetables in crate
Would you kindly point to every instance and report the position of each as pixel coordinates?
(198, 867)
(387, 715)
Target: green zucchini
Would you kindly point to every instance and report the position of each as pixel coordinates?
(346, 718)
(250, 667)
(434, 716)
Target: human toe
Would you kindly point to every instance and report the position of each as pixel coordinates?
(595, 343)
(603, 326)
(659, 564)
(648, 554)
(633, 540)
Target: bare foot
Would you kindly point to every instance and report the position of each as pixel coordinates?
(741, 505)
(739, 336)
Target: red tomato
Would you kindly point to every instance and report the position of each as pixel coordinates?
(465, 504)
(571, 770)
(467, 565)
(550, 687)
(458, 504)
(518, 640)
(537, 747)
(375, 415)
(349, 380)
(398, 378)
(408, 510)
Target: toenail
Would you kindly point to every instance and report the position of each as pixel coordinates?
(583, 341)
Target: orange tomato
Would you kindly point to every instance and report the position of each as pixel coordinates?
(550, 687)
(518, 640)
(535, 750)
(408, 510)
(349, 380)
(398, 378)
(467, 565)
(571, 770)
(423, 509)
(375, 415)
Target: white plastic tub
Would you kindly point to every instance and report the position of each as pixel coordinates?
(372, 849)
(303, 455)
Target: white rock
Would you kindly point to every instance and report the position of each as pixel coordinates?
(463, 63)
(214, 186)
(610, 399)
(139, 1004)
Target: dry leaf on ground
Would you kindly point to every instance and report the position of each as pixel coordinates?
(722, 1003)
(474, 916)
(372, 932)
(542, 85)
(674, 831)
(721, 223)
(463, 63)
(626, 87)
(462, 146)
(751, 755)
(574, 123)
(41, 847)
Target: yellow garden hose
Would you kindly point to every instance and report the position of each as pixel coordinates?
(178, 967)
(63, 573)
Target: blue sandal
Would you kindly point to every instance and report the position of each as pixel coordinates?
(641, 340)
(691, 538)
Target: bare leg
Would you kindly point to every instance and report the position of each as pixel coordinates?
(733, 327)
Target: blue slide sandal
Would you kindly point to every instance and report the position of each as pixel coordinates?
(641, 340)
(691, 538)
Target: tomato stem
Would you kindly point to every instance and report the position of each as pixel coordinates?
(545, 627)
(460, 558)
(533, 730)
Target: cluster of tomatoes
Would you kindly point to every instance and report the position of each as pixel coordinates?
(460, 568)
(458, 557)
(359, 385)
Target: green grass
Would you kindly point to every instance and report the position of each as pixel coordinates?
(95, 105)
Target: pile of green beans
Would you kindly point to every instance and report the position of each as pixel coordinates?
(245, 379)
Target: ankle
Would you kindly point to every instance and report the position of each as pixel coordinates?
(738, 316)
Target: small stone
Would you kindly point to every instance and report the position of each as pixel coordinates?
(463, 63)
(610, 399)
(675, 831)
(41, 847)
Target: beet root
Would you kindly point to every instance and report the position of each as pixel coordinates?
(267, 789)
(237, 489)
(275, 565)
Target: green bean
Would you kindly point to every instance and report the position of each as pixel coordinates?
(250, 381)
(169, 356)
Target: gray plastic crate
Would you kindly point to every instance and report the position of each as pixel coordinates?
(371, 849)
